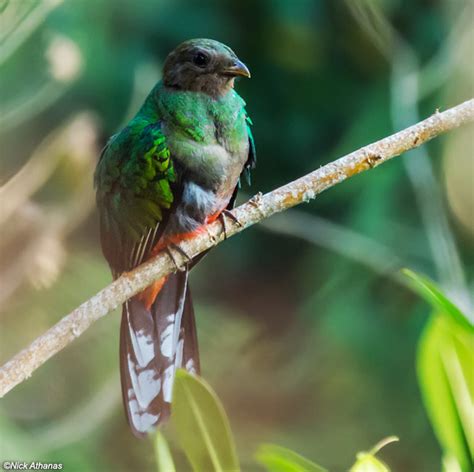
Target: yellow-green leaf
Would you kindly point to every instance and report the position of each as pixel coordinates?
(444, 365)
(164, 460)
(367, 462)
(279, 459)
(202, 426)
(428, 290)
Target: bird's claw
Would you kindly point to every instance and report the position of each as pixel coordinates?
(230, 215)
(211, 236)
(256, 200)
(177, 248)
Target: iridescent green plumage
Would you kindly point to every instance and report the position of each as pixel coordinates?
(176, 166)
(136, 178)
(133, 179)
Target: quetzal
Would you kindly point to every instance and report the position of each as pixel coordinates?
(176, 166)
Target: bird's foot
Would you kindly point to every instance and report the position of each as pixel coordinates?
(179, 268)
(228, 214)
(256, 200)
(211, 236)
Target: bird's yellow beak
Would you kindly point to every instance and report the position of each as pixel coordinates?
(238, 68)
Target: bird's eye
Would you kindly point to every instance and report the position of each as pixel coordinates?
(201, 59)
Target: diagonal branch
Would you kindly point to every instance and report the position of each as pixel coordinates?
(21, 366)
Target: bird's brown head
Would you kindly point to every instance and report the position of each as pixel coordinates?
(203, 65)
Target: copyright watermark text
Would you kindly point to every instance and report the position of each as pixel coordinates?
(35, 465)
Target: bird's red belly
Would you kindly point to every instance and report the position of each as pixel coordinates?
(148, 296)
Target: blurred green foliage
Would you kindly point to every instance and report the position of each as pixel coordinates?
(309, 339)
(205, 437)
(445, 364)
(164, 460)
(279, 459)
(201, 425)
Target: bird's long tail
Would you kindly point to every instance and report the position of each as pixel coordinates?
(154, 342)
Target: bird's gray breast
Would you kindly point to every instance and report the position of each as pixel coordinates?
(210, 162)
(197, 203)
(214, 162)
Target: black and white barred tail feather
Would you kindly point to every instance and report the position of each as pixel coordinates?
(153, 344)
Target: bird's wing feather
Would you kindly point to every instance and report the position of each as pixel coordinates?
(249, 164)
(252, 159)
(135, 182)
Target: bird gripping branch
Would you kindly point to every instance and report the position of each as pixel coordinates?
(174, 168)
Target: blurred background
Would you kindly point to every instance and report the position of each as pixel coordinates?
(306, 332)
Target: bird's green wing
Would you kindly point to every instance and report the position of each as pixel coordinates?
(249, 164)
(252, 159)
(134, 179)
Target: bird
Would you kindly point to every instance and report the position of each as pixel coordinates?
(175, 167)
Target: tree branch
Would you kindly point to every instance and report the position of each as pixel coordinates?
(21, 366)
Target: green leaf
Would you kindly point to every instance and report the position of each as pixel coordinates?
(202, 425)
(367, 462)
(428, 290)
(444, 364)
(164, 460)
(279, 459)
(450, 464)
